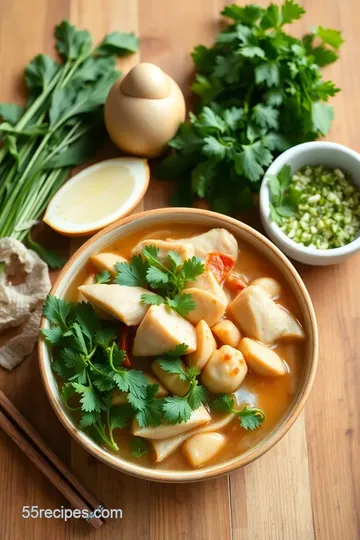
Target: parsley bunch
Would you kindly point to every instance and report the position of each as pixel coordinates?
(87, 357)
(249, 417)
(260, 91)
(145, 270)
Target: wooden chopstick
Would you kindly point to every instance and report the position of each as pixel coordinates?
(37, 450)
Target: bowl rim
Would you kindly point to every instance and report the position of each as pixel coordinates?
(224, 468)
(264, 201)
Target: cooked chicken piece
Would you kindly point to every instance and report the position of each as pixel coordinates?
(107, 261)
(260, 359)
(205, 346)
(269, 285)
(164, 447)
(257, 315)
(292, 330)
(213, 241)
(208, 307)
(225, 371)
(202, 447)
(208, 282)
(120, 398)
(199, 417)
(171, 381)
(161, 330)
(184, 248)
(91, 280)
(260, 318)
(227, 333)
(120, 301)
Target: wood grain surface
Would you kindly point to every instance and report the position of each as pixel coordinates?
(308, 486)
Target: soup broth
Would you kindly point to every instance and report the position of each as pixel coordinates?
(274, 395)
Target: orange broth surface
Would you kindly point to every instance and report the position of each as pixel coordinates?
(274, 395)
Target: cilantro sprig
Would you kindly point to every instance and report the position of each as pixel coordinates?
(146, 270)
(250, 417)
(284, 198)
(178, 409)
(103, 277)
(260, 91)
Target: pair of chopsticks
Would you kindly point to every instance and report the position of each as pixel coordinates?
(37, 450)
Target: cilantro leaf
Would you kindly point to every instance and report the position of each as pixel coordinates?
(104, 336)
(51, 257)
(89, 399)
(284, 199)
(54, 336)
(291, 11)
(197, 395)
(182, 303)
(192, 268)
(179, 350)
(138, 447)
(152, 299)
(173, 366)
(268, 73)
(88, 419)
(132, 274)
(155, 276)
(87, 319)
(329, 36)
(57, 310)
(120, 416)
(103, 277)
(118, 43)
(175, 260)
(321, 115)
(150, 413)
(176, 410)
(249, 417)
(150, 254)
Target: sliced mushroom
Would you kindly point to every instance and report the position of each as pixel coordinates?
(213, 241)
(227, 333)
(183, 248)
(269, 285)
(261, 360)
(107, 261)
(161, 330)
(164, 447)
(199, 417)
(208, 307)
(171, 381)
(202, 447)
(205, 346)
(208, 282)
(120, 301)
(225, 371)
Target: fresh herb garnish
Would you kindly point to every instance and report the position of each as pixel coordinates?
(284, 198)
(138, 447)
(61, 126)
(260, 91)
(249, 417)
(178, 409)
(103, 277)
(51, 257)
(145, 270)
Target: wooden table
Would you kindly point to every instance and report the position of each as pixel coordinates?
(308, 485)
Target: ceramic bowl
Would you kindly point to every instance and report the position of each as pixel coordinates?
(207, 219)
(313, 153)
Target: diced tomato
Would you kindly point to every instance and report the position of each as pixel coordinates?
(220, 264)
(235, 282)
(124, 344)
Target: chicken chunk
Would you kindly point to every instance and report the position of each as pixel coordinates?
(205, 346)
(260, 359)
(120, 301)
(207, 282)
(164, 447)
(213, 241)
(260, 318)
(171, 381)
(208, 307)
(90, 280)
(202, 447)
(198, 417)
(227, 333)
(184, 248)
(269, 285)
(161, 330)
(120, 398)
(107, 261)
(225, 371)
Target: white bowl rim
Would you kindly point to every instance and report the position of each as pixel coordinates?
(265, 201)
(214, 471)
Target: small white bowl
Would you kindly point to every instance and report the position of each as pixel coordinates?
(331, 155)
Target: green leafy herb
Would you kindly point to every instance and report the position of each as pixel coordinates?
(178, 409)
(61, 126)
(249, 417)
(104, 277)
(52, 258)
(138, 447)
(260, 91)
(284, 199)
(132, 274)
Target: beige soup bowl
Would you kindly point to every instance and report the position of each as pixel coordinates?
(143, 220)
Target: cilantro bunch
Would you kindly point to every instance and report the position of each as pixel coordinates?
(146, 270)
(61, 125)
(249, 417)
(260, 91)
